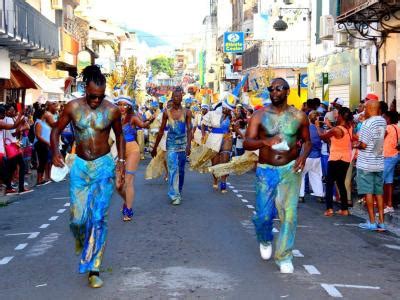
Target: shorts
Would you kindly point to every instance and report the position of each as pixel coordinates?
(369, 182)
(131, 147)
(388, 170)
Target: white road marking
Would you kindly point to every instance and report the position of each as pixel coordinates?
(274, 230)
(31, 235)
(231, 186)
(334, 292)
(338, 224)
(44, 226)
(245, 201)
(394, 247)
(6, 260)
(247, 191)
(254, 212)
(331, 290)
(235, 191)
(240, 196)
(297, 253)
(60, 198)
(43, 245)
(303, 226)
(250, 206)
(21, 246)
(67, 204)
(53, 218)
(60, 211)
(42, 285)
(311, 270)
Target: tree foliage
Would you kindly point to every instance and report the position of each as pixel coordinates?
(162, 64)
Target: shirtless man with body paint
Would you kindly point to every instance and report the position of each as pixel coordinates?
(93, 170)
(275, 130)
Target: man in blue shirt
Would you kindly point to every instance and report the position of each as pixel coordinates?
(313, 162)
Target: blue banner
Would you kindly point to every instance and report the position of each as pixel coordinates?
(233, 42)
(303, 80)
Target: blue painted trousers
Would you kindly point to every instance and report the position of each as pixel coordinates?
(176, 170)
(277, 190)
(92, 185)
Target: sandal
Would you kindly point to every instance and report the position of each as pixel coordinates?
(329, 213)
(343, 213)
(127, 214)
(223, 187)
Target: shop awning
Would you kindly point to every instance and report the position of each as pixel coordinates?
(40, 79)
(18, 80)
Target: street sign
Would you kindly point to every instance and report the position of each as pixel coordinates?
(234, 42)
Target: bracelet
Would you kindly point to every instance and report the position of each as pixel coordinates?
(121, 160)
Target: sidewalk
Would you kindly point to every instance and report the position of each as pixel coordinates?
(4, 200)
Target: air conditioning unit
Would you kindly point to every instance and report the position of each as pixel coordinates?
(57, 4)
(69, 12)
(326, 27)
(341, 39)
(365, 57)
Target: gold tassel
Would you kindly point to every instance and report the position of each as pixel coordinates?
(238, 165)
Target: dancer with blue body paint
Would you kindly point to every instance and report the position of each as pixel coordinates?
(275, 130)
(130, 124)
(93, 170)
(178, 144)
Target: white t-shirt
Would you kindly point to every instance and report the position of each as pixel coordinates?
(372, 133)
(239, 140)
(9, 133)
(2, 141)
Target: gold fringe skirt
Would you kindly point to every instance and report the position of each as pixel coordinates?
(156, 167)
(200, 158)
(238, 165)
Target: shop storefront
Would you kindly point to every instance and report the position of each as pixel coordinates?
(336, 75)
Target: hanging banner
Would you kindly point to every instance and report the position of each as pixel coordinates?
(233, 42)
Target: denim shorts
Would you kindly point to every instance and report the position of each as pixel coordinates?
(390, 166)
(369, 182)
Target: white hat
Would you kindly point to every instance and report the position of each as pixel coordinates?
(57, 174)
(339, 101)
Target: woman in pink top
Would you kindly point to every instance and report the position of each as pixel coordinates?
(391, 154)
(340, 138)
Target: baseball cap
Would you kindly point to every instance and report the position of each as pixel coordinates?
(326, 103)
(371, 96)
(338, 101)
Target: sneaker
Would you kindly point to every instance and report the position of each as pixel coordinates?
(266, 250)
(381, 227)
(176, 201)
(287, 267)
(25, 191)
(10, 192)
(368, 226)
(388, 210)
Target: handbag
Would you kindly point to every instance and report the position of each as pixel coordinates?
(11, 149)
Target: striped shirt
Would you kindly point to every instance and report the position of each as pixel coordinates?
(372, 133)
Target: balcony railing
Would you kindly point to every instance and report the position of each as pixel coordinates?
(24, 28)
(277, 54)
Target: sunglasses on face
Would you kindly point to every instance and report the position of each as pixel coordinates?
(278, 88)
(123, 105)
(93, 97)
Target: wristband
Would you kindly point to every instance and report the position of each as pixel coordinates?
(121, 160)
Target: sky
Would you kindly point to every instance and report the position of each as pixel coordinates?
(170, 20)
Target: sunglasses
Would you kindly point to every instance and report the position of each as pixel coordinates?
(123, 105)
(278, 88)
(93, 97)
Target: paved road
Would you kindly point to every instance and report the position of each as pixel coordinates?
(203, 249)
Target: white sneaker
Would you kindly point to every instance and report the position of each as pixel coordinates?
(266, 250)
(287, 268)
